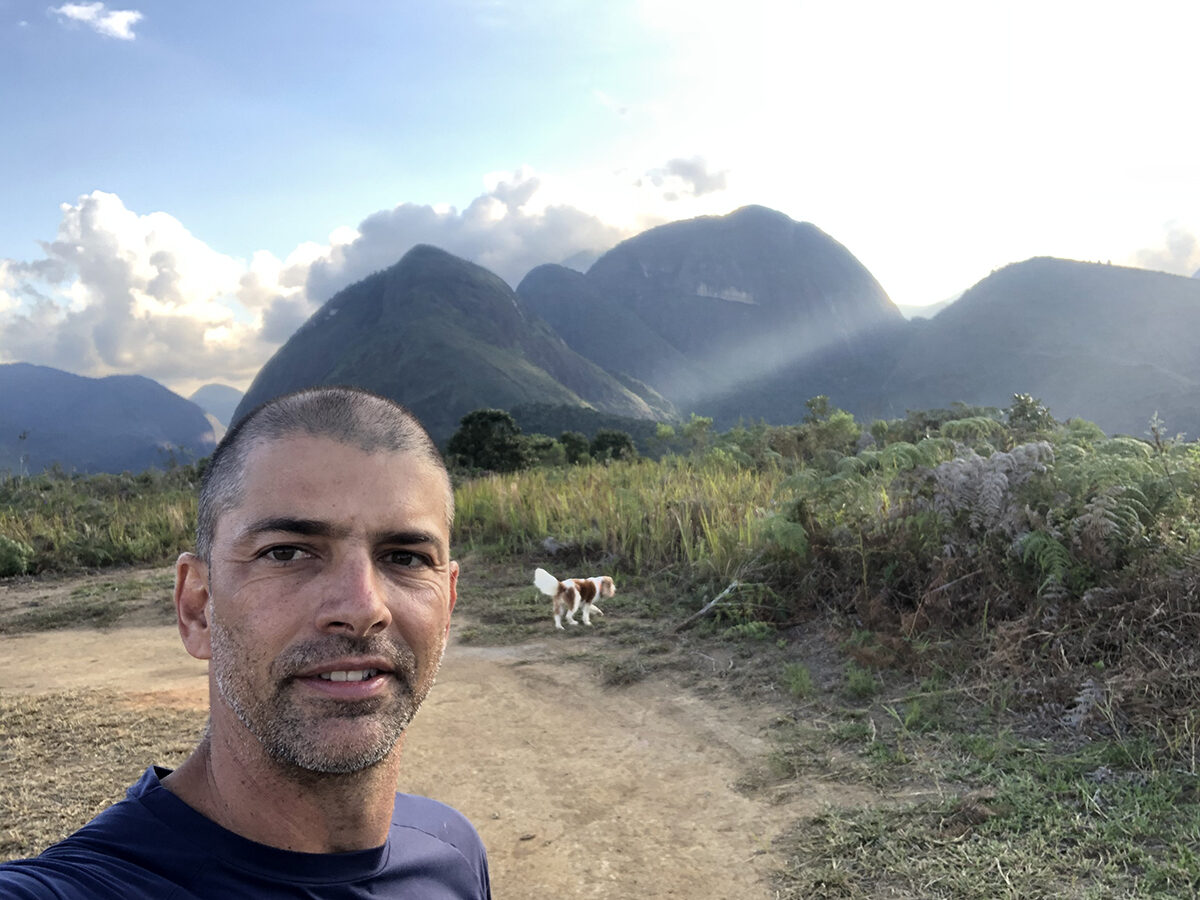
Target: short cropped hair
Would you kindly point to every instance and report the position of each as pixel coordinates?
(352, 416)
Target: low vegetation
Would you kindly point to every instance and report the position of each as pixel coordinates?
(996, 611)
(60, 522)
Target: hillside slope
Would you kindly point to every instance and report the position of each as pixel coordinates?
(442, 336)
(114, 424)
(1105, 343)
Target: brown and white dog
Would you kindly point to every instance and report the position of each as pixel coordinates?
(574, 594)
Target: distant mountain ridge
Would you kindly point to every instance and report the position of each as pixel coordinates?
(113, 424)
(1107, 343)
(745, 317)
(741, 317)
(443, 336)
(697, 307)
(218, 400)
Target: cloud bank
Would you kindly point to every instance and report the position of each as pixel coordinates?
(687, 178)
(118, 292)
(113, 23)
(1179, 253)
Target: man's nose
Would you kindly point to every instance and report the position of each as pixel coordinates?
(355, 601)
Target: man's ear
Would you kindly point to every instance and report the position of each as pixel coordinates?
(191, 605)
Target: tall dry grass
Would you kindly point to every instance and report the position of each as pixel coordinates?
(55, 522)
(698, 514)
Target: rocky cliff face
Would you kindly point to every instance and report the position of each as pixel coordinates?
(444, 337)
(709, 309)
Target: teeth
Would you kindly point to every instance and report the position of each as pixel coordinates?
(354, 675)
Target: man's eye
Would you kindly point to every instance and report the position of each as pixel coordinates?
(406, 558)
(284, 554)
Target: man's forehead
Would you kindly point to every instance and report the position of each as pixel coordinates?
(302, 450)
(277, 472)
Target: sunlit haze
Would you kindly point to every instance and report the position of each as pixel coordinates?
(184, 184)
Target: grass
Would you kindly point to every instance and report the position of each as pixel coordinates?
(144, 598)
(56, 522)
(1032, 821)
(978, 810)
(49, 745)
(641, 516)
(798, 680)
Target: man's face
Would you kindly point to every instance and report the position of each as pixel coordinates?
(330, 591)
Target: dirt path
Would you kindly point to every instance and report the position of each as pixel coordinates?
(577, 790)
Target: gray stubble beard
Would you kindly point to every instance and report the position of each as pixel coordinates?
(287, 731)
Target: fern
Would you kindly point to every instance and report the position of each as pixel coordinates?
(1127, 447)
(785, 535)
(975, 428)
(901, 456)
(1114, 519)
(1052, 559)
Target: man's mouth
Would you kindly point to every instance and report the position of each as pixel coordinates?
(350, 675)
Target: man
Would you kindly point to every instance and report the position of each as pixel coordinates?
(320, 591)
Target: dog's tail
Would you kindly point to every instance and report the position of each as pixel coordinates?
(546, 583)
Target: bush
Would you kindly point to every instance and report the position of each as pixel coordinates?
(490, 439)
(611, 444)
(15, 557)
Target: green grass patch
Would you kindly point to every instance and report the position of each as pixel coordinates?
(1045, 826)
(861, 683)
(798, 680)
(143, 600)
(996, 814)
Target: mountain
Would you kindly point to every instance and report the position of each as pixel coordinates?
(606, 332)
(218, 400)
(925, 312)
(1105, 343)
(737, 317)
(442, 336)
(744, 315)
(114, 424)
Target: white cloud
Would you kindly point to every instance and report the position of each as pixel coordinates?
(117, 292)
(114, 23)
(1179, 253)
(687, 177)
(120, 292)
(515, 225)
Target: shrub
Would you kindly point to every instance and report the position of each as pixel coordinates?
(15, 557)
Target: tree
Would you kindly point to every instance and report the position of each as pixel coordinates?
(819, 409)
(696, 431)
(1028, 416)
(545, 450)
(490, 439)
(576, 445)
(612, 444)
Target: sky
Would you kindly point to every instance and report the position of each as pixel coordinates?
(183, 184)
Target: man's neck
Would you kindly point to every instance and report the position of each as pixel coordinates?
(282, 806)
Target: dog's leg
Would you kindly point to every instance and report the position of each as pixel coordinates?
(587, 614)
(572, 611)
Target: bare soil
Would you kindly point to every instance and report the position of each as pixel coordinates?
(578, 790)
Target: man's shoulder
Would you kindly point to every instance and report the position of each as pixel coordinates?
(435, 850)
(434, 818)
(110, 856)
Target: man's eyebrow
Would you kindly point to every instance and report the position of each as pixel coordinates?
(406, 537)
(321, 528)
(291, 525)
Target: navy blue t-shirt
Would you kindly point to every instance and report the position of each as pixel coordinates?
(153, 845)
